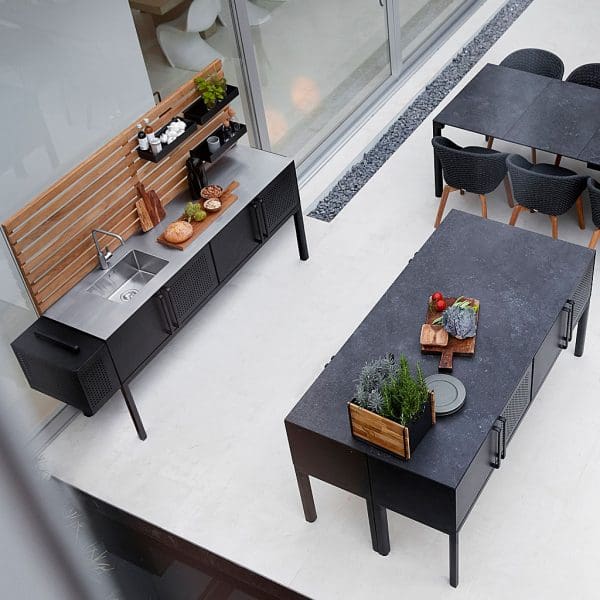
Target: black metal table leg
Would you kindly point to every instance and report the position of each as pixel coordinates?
(380, 536)
(306, 495)
(437, 165)
(301, 235)
(454, 559)
(133, 411)
(581, 331)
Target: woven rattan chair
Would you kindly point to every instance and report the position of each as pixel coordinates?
(584, 75)
(545, 188)
(472, 169)
(533, 60)
(594, 192)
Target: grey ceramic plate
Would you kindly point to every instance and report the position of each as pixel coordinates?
(449, 393)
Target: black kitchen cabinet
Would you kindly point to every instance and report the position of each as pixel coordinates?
(67, 364)
(135, 341)
(236, 242)
(85, 371)
(278, 201)
(189, 289)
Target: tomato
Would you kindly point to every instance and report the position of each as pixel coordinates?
(437, 296)
(440, 305)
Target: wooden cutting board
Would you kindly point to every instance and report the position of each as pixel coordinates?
(227, 199)
(455, 347)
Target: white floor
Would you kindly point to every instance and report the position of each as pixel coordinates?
(216, 467)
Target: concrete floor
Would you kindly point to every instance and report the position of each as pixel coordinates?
(216, 467)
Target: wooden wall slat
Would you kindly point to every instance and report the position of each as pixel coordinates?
(50, 237)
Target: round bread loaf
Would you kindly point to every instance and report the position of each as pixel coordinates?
(178, 232)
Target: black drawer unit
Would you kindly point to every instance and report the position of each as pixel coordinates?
(67, 364)
(188, 290)
(279, 200)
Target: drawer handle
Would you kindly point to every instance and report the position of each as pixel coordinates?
(264, 217)
(165, 314)
(171, 307)
(569, 308)
(47, 337)
(500, 442)
(256, 226)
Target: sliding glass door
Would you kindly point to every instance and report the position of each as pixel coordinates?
(317, 61)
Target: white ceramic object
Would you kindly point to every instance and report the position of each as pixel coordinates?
(180, 40)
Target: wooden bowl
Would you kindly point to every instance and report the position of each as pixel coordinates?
(213, 209)
(211, 191)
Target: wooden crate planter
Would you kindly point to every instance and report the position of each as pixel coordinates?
(389, 435)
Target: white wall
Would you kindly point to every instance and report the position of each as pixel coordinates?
(71, 76)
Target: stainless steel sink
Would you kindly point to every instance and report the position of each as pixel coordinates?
(126, 278)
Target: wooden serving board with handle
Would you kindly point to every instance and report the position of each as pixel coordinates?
(226, 198)
(455, 347)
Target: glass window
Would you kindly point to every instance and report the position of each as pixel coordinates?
(318, 62)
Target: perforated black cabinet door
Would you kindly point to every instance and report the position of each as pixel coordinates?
(138, 337)
(236, 242)
(279, 200)
(192, 285)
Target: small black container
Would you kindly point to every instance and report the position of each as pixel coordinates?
(200, 114)
(201, 150)
(167, 148)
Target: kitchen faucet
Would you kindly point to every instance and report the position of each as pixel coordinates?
(104, 257)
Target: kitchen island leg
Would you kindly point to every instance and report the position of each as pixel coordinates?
(581, 331)
(306, 495)
(301, 235)
(380, 536)
(454, 559)
(133, 411)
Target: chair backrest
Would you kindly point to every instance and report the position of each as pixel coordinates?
(594, 191)
(548, 194)
(586, 75)
(476, 170)
(202, 14)
(535, 60)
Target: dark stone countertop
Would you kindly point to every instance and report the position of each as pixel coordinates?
(522, 280)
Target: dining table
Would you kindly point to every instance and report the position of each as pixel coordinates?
(526, 109)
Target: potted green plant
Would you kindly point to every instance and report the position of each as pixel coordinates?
(393, 408)
(211, 89)
(214, 95)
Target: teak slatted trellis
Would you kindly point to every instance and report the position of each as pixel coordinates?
(50, 237)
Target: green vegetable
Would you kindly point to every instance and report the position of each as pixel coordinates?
(212, 89)
(194, 212)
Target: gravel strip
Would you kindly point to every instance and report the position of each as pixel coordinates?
(437, 89)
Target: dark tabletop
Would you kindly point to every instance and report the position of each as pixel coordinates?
(528, 109)
(522, 280)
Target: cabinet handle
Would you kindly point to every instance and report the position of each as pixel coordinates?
(74, 348)
(567, 336)
(503, 421)
(264, 217)
(171, 306)
(165, 314)
(258, 236)
(500, 441)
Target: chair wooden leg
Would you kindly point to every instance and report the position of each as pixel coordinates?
(557, 160)
(534, 156)
(580, 217)
(509, 196)
(554, 220)
(595, 238)
(483, 206)
(442, 206)
(490, 143)
(515, 214)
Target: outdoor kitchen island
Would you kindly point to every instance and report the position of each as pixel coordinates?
(533, 290)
